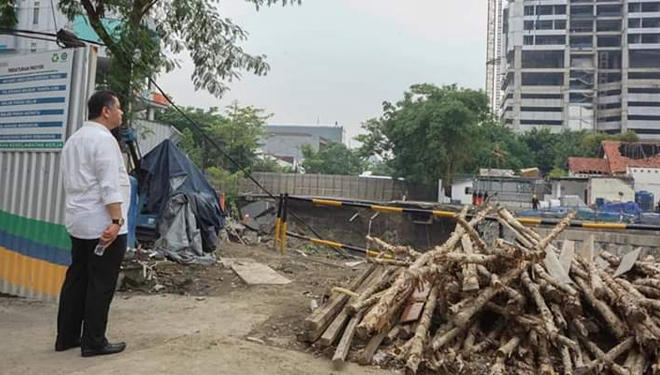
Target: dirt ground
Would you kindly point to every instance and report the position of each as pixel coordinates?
(203, 320)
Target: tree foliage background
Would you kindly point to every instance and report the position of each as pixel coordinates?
(438, 132)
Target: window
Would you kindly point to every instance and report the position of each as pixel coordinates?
(644, 58)
(528, 40)
(582, 11)
(582, 26)
(609, 41)
(609, 10)
(650, 7)
(650, 38)
(643, 90)
(634, 38)
(560, 9)
(634, 23)
(644, 75)
(541, 109)
(544, 25)
(650, 23)
(541, 96)
(544, 10)
(541, 122)
(550, 40)
(529, 10)
(581, 41)
(634, 7)
(529, 25)
(33, 47)
(35, 15)
(560, 24)
(608, 25)
(542, 79)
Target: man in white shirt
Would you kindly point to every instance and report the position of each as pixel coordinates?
(97, 197)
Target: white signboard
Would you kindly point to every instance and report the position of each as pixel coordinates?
(34, 100)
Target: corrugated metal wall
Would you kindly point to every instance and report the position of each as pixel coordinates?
(34, 245)
(150, 134)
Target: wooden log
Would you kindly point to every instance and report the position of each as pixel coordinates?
(566, 362)
(392, 334)
(470, 279)
(472, 234)
(318, 320)
(640, 365)
(333, 331)
(545, 363)
(607, 359)
(613, 322)
(632, 311)
(546, 315)
(474, 305)
(367, 354)
(417, 345)
(471, 337)
(394, 249)
(339, 358)
(502, 353)
(443, 338)
(490, 340)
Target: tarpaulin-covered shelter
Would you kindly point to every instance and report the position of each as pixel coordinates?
(185, 204)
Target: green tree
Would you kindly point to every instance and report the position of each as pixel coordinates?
(8, 13)
(496, 146)
(154, 32)
(336, 158)
(237, 132)
(429, 134)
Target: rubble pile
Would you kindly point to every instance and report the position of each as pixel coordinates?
(500, 308)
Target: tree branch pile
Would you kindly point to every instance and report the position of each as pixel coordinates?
(469, 307)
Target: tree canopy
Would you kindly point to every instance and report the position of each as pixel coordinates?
(437, 132)
(154, 32)
(335, 158)
(237, 131)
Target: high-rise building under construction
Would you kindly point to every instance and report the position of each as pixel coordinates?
(576, 64)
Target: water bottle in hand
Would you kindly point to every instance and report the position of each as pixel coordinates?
(100, 248)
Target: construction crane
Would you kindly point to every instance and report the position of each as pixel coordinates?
(493, 52)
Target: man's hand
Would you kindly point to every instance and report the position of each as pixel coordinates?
(110, 233)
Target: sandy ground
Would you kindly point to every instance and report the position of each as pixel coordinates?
(213, 328)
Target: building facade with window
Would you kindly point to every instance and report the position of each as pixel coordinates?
(34, 15)
(582, 64)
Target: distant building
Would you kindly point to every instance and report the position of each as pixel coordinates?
(616, 159)
(284, 142)
(620, 167)
(581, 65)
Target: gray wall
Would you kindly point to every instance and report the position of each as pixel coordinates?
(336, 186)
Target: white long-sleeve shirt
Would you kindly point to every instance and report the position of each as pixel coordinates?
(94, 176)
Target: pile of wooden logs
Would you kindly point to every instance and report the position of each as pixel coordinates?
(506, 307)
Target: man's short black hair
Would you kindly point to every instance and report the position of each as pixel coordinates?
(100, 99)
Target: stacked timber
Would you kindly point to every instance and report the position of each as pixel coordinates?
(520, 307)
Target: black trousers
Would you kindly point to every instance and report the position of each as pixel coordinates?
(88, 289)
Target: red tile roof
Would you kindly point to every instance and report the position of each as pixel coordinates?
(588, 165)
(619, 163)
(613, 161)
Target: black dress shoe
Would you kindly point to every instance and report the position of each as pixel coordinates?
(60, 347)
(108, 349)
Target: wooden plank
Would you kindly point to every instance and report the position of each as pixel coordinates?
(338, 360)
(367, 354)
(327, 311)
(335, 328)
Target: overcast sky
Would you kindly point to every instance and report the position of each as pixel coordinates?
(338, 60)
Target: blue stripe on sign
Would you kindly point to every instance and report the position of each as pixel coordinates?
(27, 125)
(35, 250)
(39, 77)
(6, 103)
(40, 112)
(32, 90)
(27, 137)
